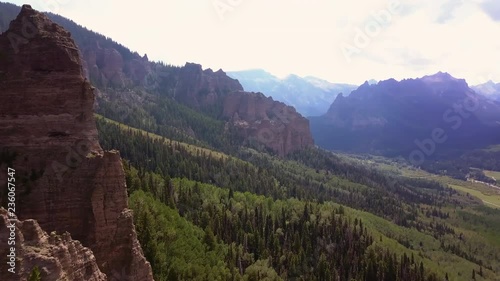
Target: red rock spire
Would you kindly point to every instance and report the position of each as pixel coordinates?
(66, 182)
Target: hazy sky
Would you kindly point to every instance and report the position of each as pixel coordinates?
(341, 41)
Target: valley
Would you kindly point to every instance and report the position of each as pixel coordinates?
(390, 233)
(166, 172)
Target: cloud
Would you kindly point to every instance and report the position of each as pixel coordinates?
(304, 37)
(492, 9)
(447, 11)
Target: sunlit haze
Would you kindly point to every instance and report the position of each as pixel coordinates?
(341, 41)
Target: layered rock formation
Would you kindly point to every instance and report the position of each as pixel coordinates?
(272, 123)
(201, 88)
(108, 67)
(65, 181)
(58, 257)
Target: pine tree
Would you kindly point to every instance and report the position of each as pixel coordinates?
(35, 274)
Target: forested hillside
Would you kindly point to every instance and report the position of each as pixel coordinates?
(218, 194)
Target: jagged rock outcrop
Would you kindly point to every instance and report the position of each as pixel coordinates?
(272, 123)
(201, 88)
(58, 257)
(65, 181)
(105, 65)
(108, 67)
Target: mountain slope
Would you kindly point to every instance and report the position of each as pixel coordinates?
(402, 119)
(489, 89)
(309, 95)
(314, 177)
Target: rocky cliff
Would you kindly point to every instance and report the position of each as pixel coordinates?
(65, 181)
(276, 125)
(272, 123)
(58, 257)
(202, 88)
(107, 67)
(115, 70)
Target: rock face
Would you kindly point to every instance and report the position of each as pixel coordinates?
(58, 257)
(107, 67)
(272, 123)
(276, 125)
(202, 88)
(64, 180)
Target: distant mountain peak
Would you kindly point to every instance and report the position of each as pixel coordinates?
(439, 77)
(388, 117)
(311, 96)
(489, 89)
(292, 76)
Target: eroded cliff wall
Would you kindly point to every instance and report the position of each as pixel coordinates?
(64, 180)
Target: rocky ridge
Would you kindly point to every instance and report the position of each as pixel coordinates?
(274, 124)
(119, 74)
(107, 67)
(372, 118)
(64, 180)
(198, 88)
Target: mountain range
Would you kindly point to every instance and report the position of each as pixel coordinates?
(417, 119)
(129, 169)
(309, 95)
